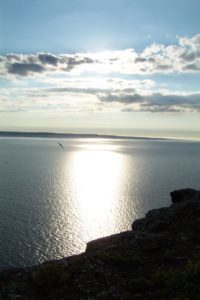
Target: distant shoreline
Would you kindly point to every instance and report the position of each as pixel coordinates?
(72, 135)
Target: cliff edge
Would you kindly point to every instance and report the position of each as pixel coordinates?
(158, 259)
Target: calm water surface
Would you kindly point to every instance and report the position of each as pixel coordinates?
(53, 200)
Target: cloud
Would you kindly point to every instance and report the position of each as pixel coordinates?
(112, 94)
(30, 64)
(192, 67)
(3, 99)
(47, 58)
(155, 102)
(190, 56)
(24, 69)
(173, 102)
(120, 97)
(92, 86)
(193, 43)
(184, 57)
(77, 60)
(156, 58)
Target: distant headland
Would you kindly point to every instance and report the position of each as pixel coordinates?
(72, 135)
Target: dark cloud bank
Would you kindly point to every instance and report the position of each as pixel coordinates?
(184, 57)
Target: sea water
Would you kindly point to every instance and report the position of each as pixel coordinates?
(54, 199)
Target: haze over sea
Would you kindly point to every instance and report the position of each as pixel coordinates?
(53, 200)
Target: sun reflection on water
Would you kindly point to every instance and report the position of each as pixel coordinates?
(96, 173)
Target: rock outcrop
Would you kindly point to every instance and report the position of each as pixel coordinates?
(158, 259)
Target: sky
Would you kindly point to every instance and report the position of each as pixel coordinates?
(123, 67)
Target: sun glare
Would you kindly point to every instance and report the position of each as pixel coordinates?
(96, 176)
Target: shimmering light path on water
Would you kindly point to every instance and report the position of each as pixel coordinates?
(53, 200)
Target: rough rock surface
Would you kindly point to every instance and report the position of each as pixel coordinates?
(158, 259)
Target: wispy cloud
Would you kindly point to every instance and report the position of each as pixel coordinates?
(156, 102)
(105, 95)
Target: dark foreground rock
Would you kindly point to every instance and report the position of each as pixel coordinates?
(158, 259)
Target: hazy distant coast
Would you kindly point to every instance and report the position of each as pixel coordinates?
(71, 135)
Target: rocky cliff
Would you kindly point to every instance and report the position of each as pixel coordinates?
(158, 259)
